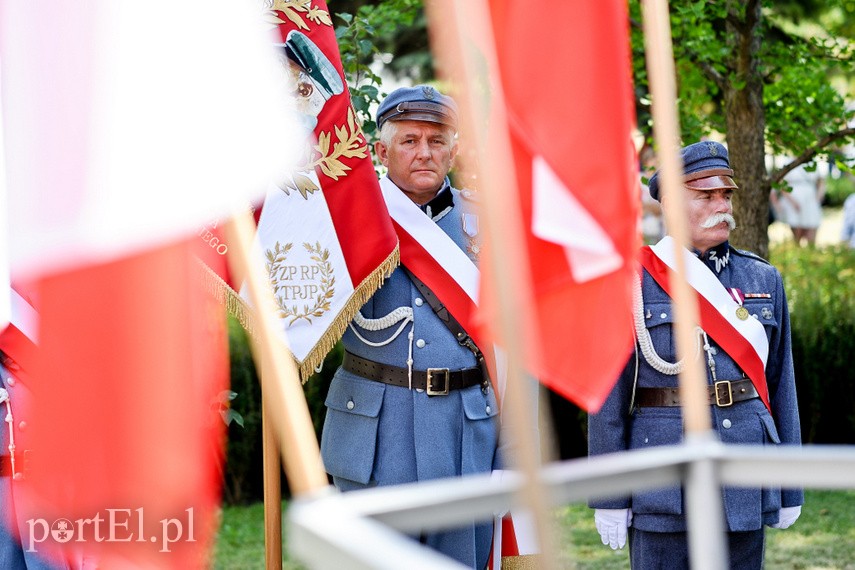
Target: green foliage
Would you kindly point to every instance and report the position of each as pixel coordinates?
(796, 66)
(244, 457)
(838, 189)
(819, 285)
(802, 107)
(360, 48)
(243, 474)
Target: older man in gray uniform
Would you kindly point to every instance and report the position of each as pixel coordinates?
(411, 401)
(745, 340)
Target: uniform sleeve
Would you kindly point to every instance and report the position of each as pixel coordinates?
(781, 380)
(608, 429)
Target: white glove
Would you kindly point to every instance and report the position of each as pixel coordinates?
(787, 516)
(612, 525)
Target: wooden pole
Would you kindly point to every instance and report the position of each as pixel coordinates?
(663, 91)
(461, 32)
(283, 401)
(704, 512)
(272, 495)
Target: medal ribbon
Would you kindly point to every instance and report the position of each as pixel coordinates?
(743, 339)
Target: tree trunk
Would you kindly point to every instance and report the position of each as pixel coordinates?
(746, 126)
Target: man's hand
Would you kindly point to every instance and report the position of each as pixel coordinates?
(612, 525)
(787, 516)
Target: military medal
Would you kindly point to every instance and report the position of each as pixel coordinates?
(470, 228)
(741, 312)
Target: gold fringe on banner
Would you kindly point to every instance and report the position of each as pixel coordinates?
(521, 562)
(235, 305)
(238, 308)
(360, 295)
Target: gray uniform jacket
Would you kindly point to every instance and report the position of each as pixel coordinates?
(379, 434)
(617, 428)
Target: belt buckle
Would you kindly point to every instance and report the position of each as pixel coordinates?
(434, 377)
(718, 400)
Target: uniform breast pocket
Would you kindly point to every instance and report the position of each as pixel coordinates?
(658, 319)
(763, 310)
(349, 438)
(480, 429)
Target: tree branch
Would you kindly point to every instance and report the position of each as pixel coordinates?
(811, 152)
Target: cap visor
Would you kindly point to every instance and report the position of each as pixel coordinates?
(424, 116)
(711, 183)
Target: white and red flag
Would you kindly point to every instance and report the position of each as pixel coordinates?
(564, 69)
(127, 126)
(324, 231)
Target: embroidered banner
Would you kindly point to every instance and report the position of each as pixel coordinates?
(324, 230)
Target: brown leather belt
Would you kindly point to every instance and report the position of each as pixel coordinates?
(722, 394)
(434, 381)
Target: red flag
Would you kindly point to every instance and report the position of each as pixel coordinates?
(119, 148)
(560, 79)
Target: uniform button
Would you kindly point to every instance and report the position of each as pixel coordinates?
(726, 424)
(420, 343)
(420, 390)
(10, 381)
(489, 409)
(350, 404)
(419, 301)
(22, 425)
(646, 440)
(663, 315)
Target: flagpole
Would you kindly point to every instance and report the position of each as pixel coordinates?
(703, 495)
(272, 494)
(457, 24)
(284, 401)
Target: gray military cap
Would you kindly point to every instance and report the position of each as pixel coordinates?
(705, 167)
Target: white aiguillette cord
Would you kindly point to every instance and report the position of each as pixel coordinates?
(4, 398)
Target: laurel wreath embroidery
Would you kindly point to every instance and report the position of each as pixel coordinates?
(276, 260)
(292, 10)
(350, 144)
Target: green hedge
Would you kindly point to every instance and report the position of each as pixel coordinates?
(244, 481)
(838, 189)
(820, 286)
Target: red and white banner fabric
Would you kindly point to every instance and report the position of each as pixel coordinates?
(570, 114)
(126, 126)
(324, 231)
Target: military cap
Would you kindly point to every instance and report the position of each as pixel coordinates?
(705, 167)
(419, 103)
(308, 56)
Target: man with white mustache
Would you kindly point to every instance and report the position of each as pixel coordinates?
(744, 342)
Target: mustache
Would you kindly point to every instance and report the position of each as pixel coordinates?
(716, 219)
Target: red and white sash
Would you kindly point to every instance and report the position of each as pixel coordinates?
(434, 258)
(744, 340)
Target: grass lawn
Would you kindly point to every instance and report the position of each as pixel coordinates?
(822, 539)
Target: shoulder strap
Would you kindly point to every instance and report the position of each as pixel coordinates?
(450, 322)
